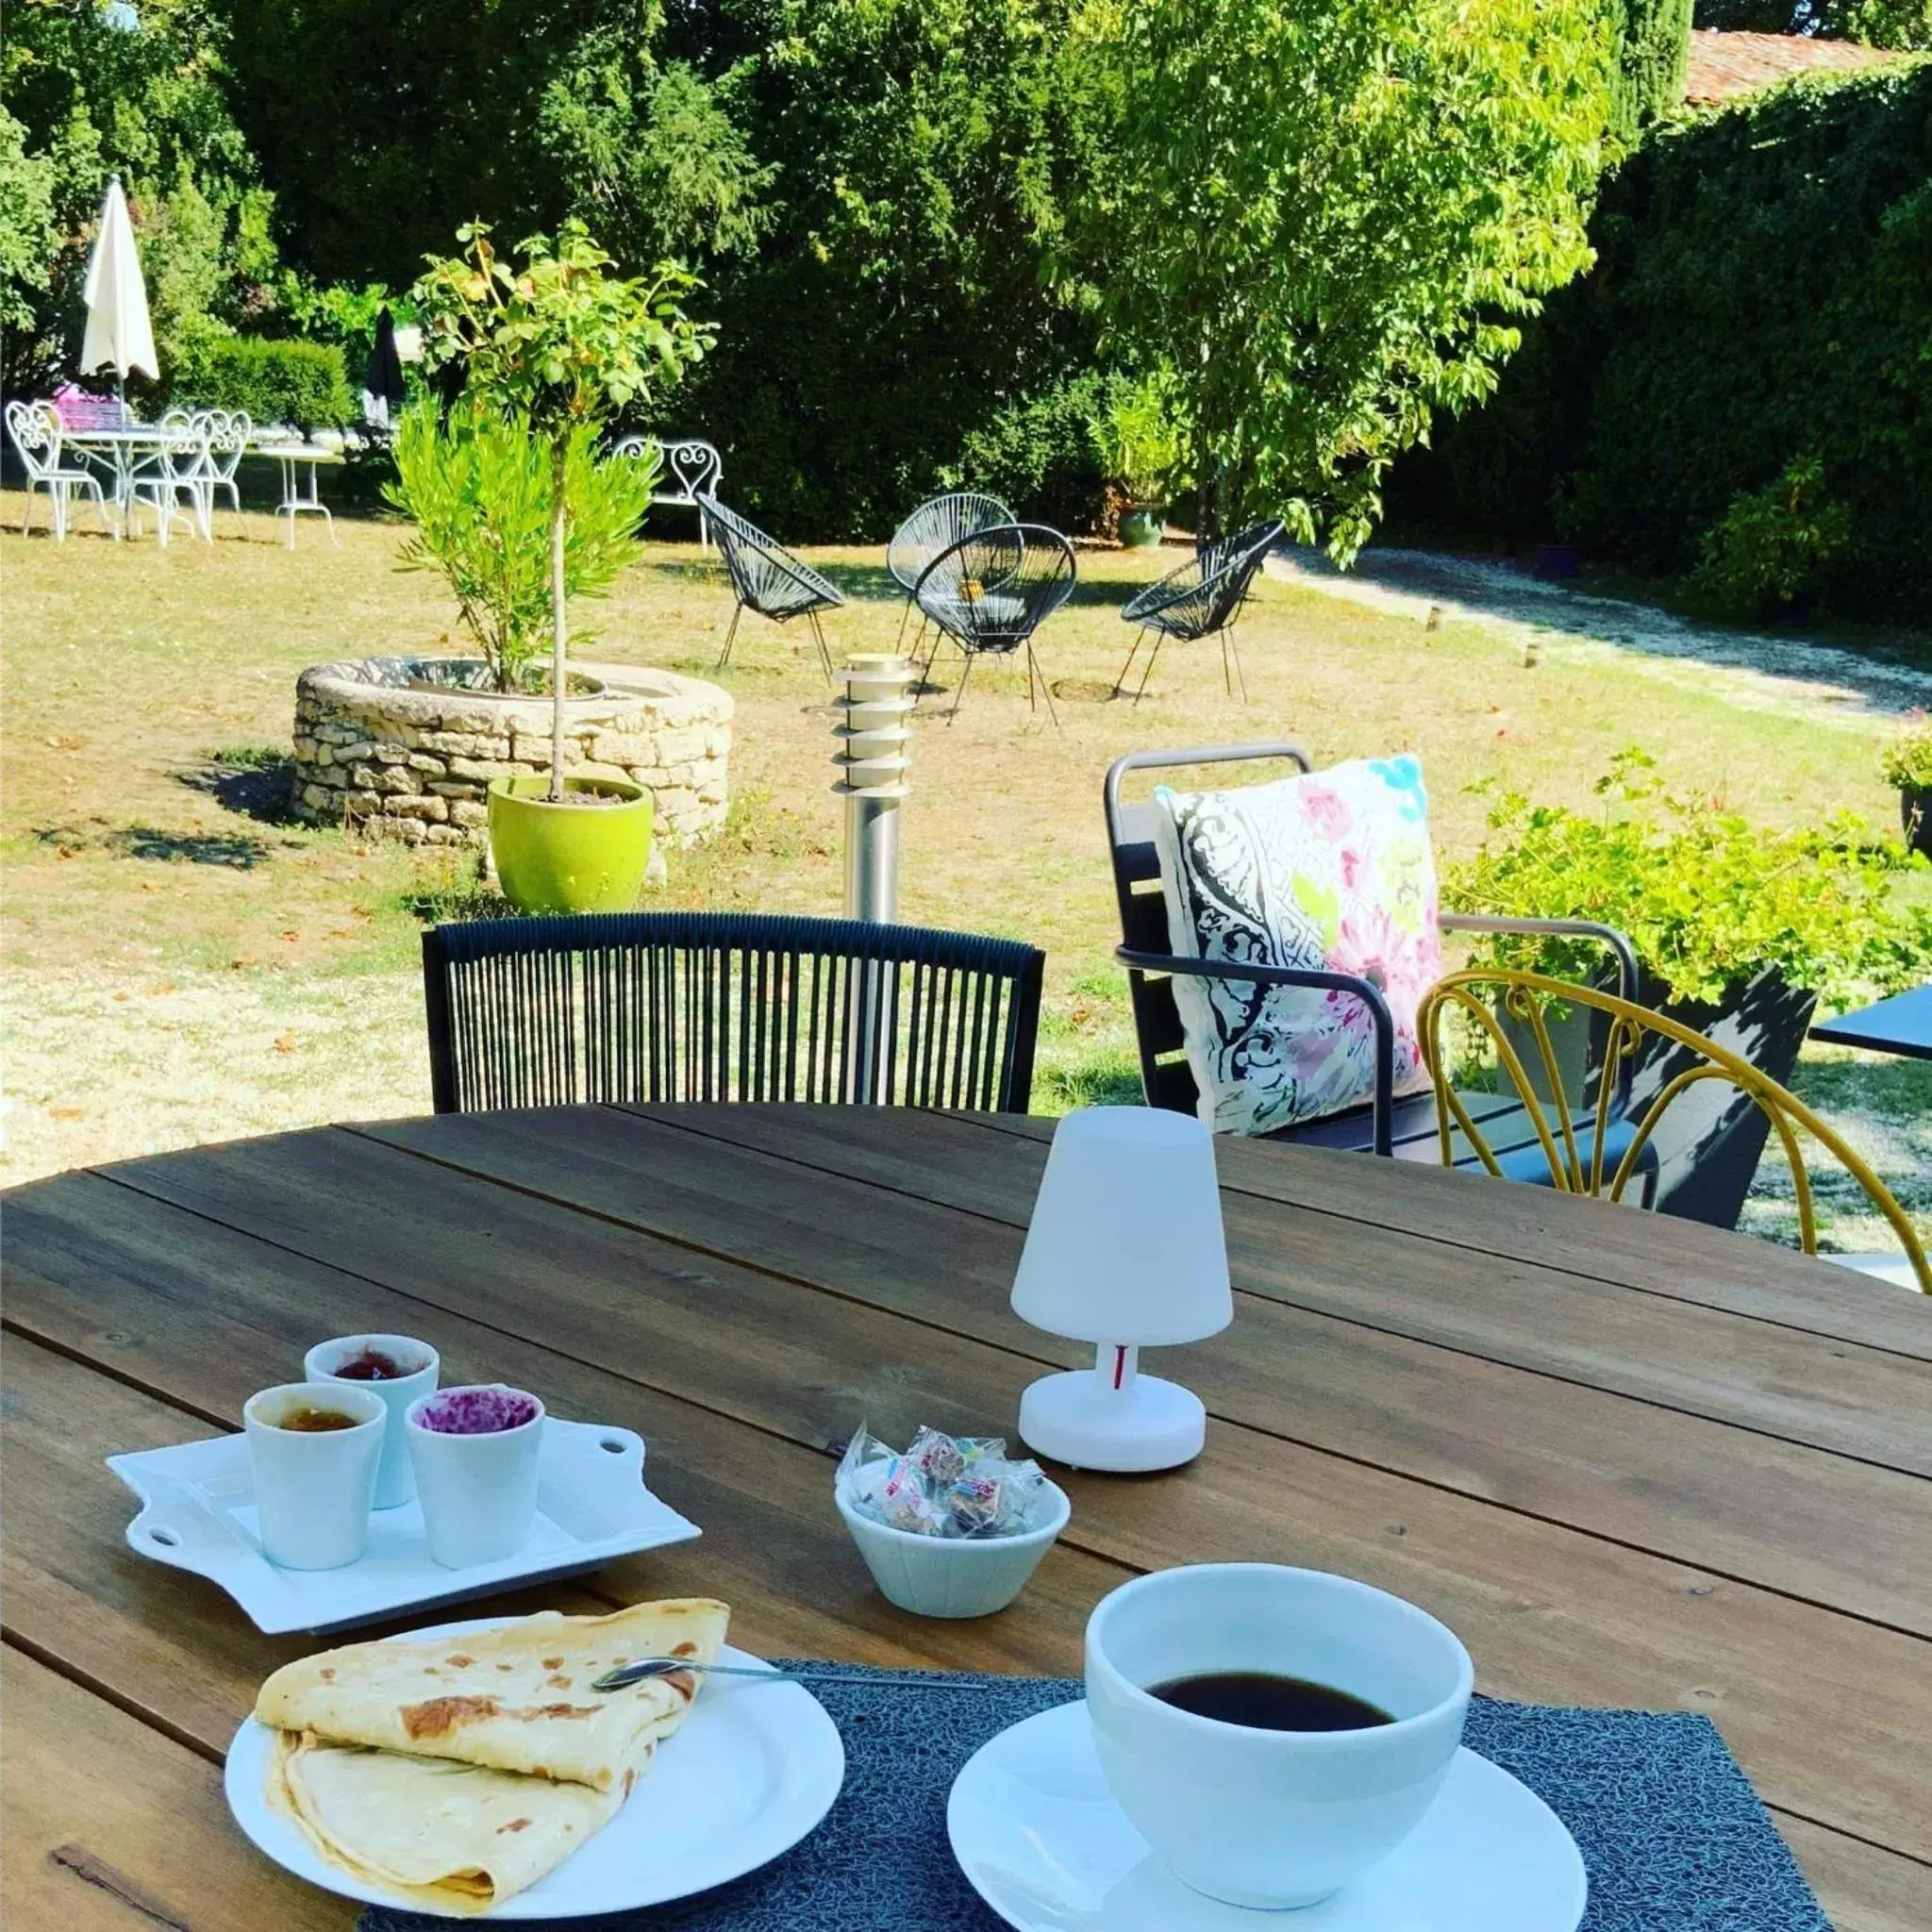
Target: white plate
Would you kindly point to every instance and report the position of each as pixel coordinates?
(198, 1515)
(750, 1772)
(1035, 1830)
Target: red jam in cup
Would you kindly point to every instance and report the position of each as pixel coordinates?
(372, 1365)
(478, 1411)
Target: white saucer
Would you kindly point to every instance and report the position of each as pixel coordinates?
(752, 1769)
(1043, 1843)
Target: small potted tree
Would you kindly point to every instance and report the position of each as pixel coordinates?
(557, 345)
(1908, 764)
(1139, 450)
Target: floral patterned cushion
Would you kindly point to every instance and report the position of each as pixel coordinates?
(1330, 870)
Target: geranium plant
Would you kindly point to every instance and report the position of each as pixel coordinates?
(561, 343)
(1708, 898)
(1907, 759)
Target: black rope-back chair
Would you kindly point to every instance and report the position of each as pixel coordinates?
(991, 590)
(766, 578)
(1201, 599)
(658, 1006)
(937, 525)
(1404, 1127)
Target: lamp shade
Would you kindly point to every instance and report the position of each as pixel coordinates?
(1126, 1243)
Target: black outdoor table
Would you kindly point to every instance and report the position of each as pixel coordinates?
(1902, 1024)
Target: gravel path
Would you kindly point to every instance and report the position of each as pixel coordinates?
(1757, 671)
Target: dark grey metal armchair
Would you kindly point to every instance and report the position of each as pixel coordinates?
(766, 578)
(1201, 599)
(993, 590)
(1404, 1127)
(658, 1006)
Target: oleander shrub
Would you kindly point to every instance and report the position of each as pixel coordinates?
(305, 384)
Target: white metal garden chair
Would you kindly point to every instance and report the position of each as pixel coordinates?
(692, 470)
(228, 434)
(34, 428)
(176, 474)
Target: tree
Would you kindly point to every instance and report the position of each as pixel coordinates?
(1327, 217)
(559, 344)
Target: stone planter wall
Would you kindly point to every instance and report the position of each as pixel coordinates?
(405, 747)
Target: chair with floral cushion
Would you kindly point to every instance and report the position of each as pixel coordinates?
(1279, 940)
(36, 430)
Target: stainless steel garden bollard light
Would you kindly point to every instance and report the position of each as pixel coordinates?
(874, 707)
(874, 735)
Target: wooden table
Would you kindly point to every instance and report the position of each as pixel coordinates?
(1630, 1461)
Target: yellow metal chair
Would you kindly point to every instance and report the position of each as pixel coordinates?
(1579, 1164)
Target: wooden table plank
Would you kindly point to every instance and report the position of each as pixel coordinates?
(1677, 1259)
(1550, 1614)
(813, 1225)
(1863, 1887)
(112, 1827)
(1789, 1517)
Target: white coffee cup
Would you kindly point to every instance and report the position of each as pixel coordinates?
(395, 1481)
(313, 1488)
(478, 1491)
(1258, 1818)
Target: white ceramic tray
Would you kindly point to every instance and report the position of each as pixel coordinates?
(198, 1513)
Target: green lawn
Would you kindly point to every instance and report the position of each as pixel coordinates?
(183, 965)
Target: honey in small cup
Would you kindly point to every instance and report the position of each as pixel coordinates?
(313, 1448)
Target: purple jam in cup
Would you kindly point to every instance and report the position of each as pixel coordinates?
(478, 1411)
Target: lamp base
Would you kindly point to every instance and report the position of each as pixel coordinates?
(1078, 1419)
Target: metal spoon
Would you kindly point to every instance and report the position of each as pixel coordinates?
(641, 1670)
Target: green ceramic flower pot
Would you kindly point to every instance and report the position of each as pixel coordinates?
(569, 858)
(1142, 526)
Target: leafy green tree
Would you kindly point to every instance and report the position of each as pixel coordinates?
(901, 322)
(388, 123)
(562, 344)
(28, 239)
(94, 99)
(1903, 23)
(1328, 217)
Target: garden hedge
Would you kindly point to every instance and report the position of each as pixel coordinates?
(296, 382)
(1764, 292)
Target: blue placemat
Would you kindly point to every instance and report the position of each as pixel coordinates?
(1672, 1836)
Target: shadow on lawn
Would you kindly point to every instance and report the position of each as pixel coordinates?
(239, 852)
(254, 783)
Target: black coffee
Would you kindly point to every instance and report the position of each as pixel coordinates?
(1265, 1702)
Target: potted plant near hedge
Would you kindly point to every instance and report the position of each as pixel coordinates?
(1907, 765)
(1140, 454)
(554, 346)
(1740, 931)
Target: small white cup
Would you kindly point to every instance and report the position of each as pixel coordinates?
(395, 1482)
(955, 1576)
(478, 1491)
(313, 1489)
(1258, 1818)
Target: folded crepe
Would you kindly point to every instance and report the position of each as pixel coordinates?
(517, 1698)
(457, 1771)
(442, 1836)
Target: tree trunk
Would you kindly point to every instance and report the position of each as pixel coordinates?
(560, 454)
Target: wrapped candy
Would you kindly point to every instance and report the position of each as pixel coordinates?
(945, 1485)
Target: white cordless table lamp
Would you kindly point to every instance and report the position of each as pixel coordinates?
(1127, 1251)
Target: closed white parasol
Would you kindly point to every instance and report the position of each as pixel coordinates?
(119, 335)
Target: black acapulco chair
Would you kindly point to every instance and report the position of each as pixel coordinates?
(936, 525)
(726, 1006)
(991, 590)
(1201, 599)
(766, 578)
(1404, 1127)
